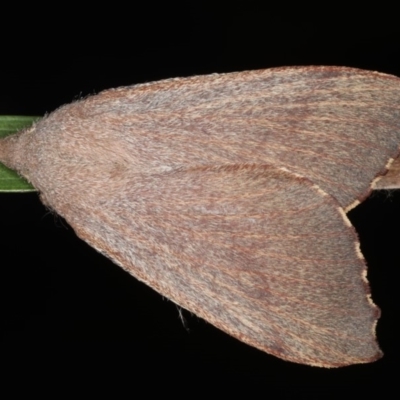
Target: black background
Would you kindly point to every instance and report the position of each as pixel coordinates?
(66, 310)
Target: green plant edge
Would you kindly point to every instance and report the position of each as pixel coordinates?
(10, 181)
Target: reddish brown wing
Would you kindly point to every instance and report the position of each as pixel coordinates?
(265, 256)
(336, 126)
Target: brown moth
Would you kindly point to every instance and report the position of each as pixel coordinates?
(227, 194)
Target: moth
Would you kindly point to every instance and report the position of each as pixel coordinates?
(228, 194)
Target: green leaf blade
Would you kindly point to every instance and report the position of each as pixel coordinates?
(10, 181)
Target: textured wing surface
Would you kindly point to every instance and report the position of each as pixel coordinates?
(169, 180)
(261, 254)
